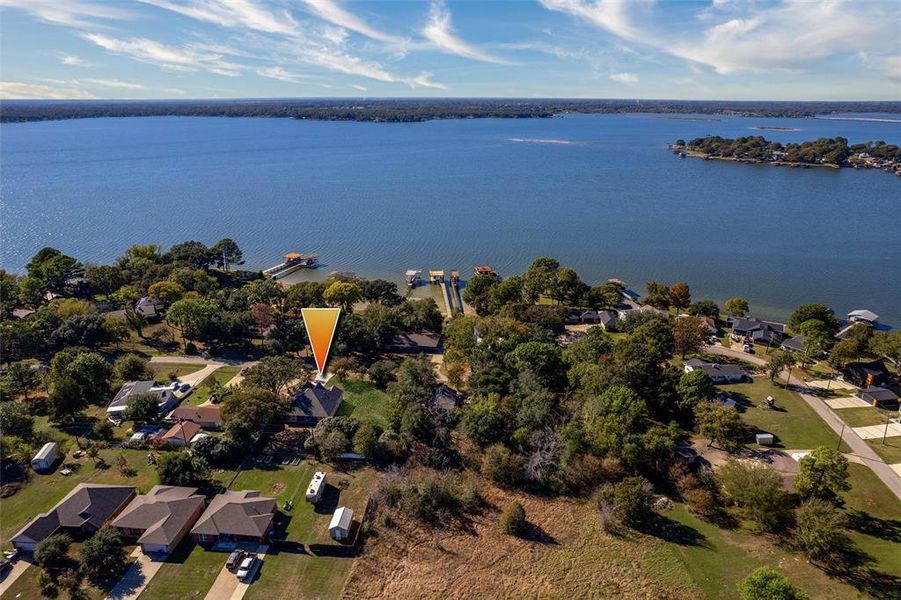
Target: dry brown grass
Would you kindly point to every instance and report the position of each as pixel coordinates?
(566, 555)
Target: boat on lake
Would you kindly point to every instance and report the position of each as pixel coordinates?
(485, 270)
(413, 277)
(293, 261)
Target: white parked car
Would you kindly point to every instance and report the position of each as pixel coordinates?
(245, 571)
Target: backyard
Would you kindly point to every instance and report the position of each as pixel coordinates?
(363, 400)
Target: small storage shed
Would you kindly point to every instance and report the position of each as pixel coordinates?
(765, 439)
(339, 528)
(45, 457)
(316, 487)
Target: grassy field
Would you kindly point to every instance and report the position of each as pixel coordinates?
(363, 400)
(795, 425)
(875, 517)
(294, 570)
(188, 573)
(890, 451)
(162, 371)
(219, 377)
(861, 417)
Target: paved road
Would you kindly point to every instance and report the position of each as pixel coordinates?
(885, 472)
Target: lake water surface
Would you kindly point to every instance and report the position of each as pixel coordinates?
(599, 192)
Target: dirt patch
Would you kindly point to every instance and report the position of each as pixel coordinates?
(566, 554)
(276, 488)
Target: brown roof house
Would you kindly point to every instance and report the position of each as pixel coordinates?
(83, 511)
(235, 516)
(416, 343)
(312, 402)
(180, 434)
(208, 416)
(159, 519)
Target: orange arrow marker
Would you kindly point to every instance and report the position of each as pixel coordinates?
(321, 324)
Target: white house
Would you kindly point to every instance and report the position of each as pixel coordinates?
(717, 372)
(45, 457)
(316, 487)
(166, 393)
(339, 527)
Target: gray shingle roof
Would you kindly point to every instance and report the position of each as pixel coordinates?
(87, 504)
(240, 513)
(314, 400)
(162, 513)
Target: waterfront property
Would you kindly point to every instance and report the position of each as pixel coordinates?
(84, 510)
(863, 316)
(416, 343)
(793, 344)
(235, 516)
(312, 402)
(757, 330)
(867, 374)
(159, 519)
(879, 397)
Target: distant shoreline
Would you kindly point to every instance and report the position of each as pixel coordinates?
(411, 111)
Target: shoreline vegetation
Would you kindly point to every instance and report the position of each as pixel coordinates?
(832, 153)
(405, 111)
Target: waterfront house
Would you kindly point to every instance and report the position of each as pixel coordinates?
(83, 511)
(717, 372)
(867, 374)
(794, 344)
(235, 516)
(416, 343)
(312, 402)
(878, 396)
(159, 519)
(207, 416)
(45, 457)
(166, 394)
(758, 331)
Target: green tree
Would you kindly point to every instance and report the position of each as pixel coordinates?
(689, 334)
(693, 388)
(513, 520)
(887, 345)
(607, 295)
(166, 292)
(131, 367)
(658, 295)
(275, 373)
(614, 421)
(632, 501)
(476, 293)
(766, 583)
(102, 557)
(192, 253)
(820, 531)
(86, 331)
(343, 294)
(539, 278)
(366, 440)
(66, 399)
(823, 474)
(105, 279)
(814, 310)
(721, 425)
(246, 410)
(779, 361)
(15, 420)
(142, 407)
(9, 294)
(737, 307)
(543, 360)
(89, 370)
(704, 308)
(19, 378)
(182, 469)
(227, 253)
(757, 490)
(483, 421)
(192, 316)
(53, 269)
(51, 552)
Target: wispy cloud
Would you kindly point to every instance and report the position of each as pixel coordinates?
(71, 60)
(81, 14)
(440, 33)
(19, 90)
(280, 74)
(113, 83)
(232, 13)
(335, 13)
(168, 57)
(361, 88)
(624, 77)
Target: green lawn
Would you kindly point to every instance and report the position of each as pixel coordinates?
(162, 371)
(890, 451)
(189, 572)
(289, 573)
(363, 400)
(220, 376)
(875, 517)
(795, 425)
(861, 417)
(717, 559)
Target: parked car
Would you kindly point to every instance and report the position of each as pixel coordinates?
(246, 570)
(5, 564)
(234, 559)
(748, 348)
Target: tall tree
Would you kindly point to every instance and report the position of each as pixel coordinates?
(679, 296)
(227, 253)
(823, 474)
(737, 307)
(689, 334)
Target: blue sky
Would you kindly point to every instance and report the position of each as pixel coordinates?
(704, 49)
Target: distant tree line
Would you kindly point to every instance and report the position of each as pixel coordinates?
(831, 151)
(400, 110)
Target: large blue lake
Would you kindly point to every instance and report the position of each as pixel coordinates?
(599, 192)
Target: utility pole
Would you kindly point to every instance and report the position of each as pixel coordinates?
(840, 436)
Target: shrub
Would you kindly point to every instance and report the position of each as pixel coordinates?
(756, 490)
(501, 465)
(382, 373)
(513, 519)
(768, 583)
(820, 530)
(632, 501)
(190, 348)
(51, 551)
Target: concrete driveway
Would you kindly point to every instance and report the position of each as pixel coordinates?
(227, 586)
(137, 576)
(19, 567)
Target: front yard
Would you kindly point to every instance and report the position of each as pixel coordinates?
(188, 572)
